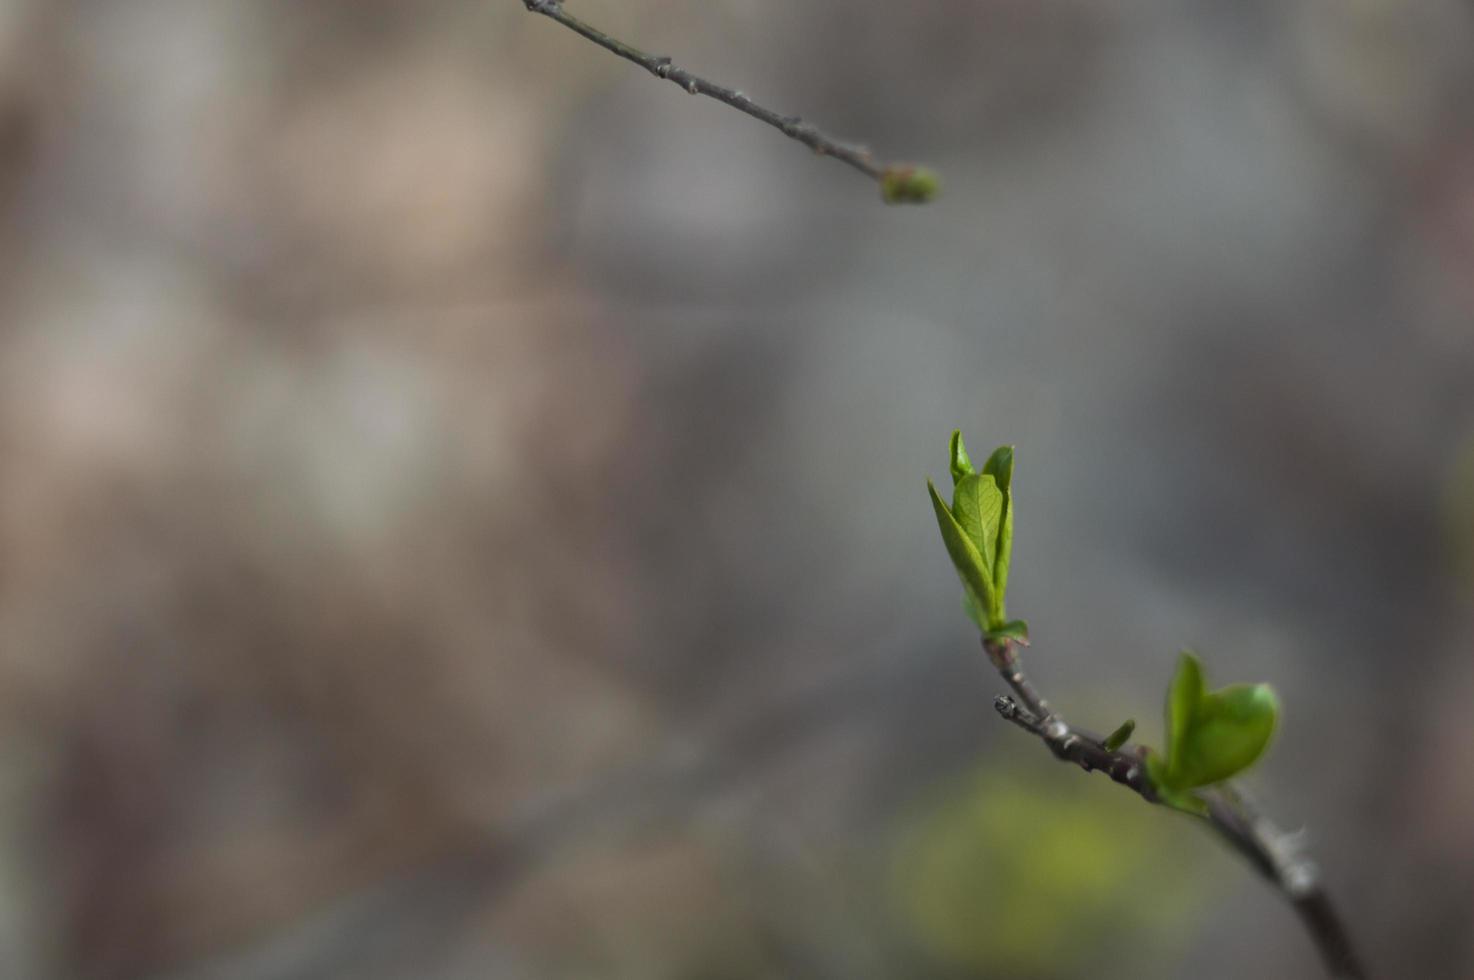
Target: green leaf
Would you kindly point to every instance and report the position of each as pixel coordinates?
(1000, 466)
(1005, 553)
(1183, 696)
(1212, 736)
(1001, 563)
(1016, 630)
(974, 607)
(1183, 800)
(961, 465)
(964, 554)
(1118, 738)
(1177, 799)
(1231, 730)
(977, 504)
(982, 508)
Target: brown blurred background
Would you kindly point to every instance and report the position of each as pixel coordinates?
(462, 509)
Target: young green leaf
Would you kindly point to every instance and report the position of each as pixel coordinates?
(1177, 799)
(1000, 467)
(1118, 738)
(1211, 736)
(1182, 800)
(977, 504)
(1183, 696)
(1004, 556)
(1231, 730)
(975, 574)
(1156, 770)
(973, 606)
(982, 509)
(961, 465)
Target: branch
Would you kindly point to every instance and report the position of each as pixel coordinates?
(1277, 856)
(899, 183)
(1281, 859)
(1082, 748)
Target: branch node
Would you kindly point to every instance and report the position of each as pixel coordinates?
(795, 127)
(1301, 879)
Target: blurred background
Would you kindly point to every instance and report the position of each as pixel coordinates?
(462, 507)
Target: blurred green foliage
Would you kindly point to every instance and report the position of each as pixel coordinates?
(1004, 875)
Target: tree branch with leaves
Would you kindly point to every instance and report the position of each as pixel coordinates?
(1211, 736)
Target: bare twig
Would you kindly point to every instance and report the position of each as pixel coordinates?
(1281, 858)
(1277, 856)
(899, 183)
